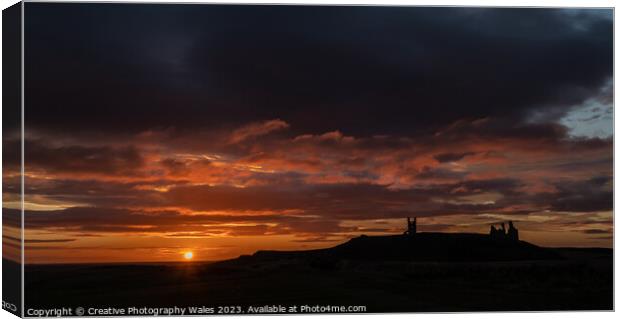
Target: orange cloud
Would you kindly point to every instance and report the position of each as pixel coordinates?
(256, 129)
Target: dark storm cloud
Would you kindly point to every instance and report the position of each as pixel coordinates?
(595, 194)
(502, 129)
(587, 195)
(451, 157)
(76, 158)
(111, 220)
(363, 201)
(362, 70)
(98, 193)
(306, 209)
(597, 231)
(115, 219)
(341, 201)
(439, 173)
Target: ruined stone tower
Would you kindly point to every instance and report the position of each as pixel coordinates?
(411, 227)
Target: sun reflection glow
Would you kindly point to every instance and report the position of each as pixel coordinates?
(188, 255)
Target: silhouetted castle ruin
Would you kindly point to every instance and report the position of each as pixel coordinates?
(411, 227)
(501, 234)
(502, 244)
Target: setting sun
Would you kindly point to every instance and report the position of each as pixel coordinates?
(188, 255)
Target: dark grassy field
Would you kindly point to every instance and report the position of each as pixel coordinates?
(582, 280)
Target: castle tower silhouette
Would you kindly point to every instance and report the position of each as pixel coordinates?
(501, 234)
(411, 227)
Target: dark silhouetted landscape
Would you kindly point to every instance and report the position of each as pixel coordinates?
(428, 272)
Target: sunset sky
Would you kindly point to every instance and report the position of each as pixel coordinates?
(154, 130)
